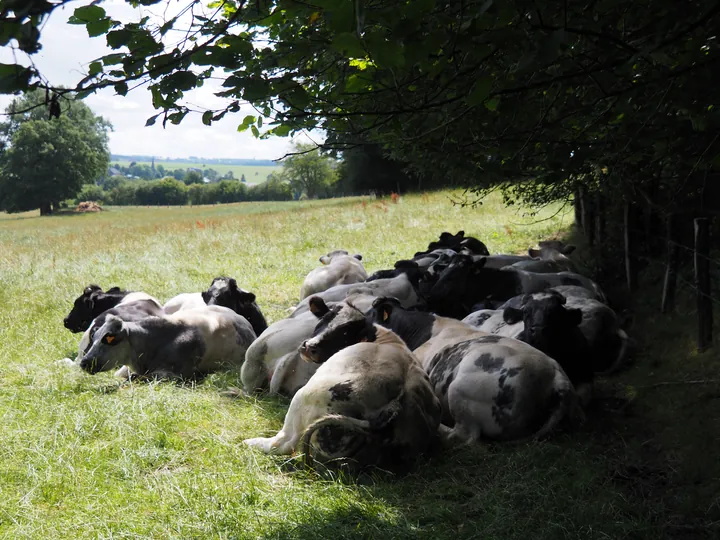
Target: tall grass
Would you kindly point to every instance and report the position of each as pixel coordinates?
(91, 457)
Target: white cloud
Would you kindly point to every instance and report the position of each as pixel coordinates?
(66, 52)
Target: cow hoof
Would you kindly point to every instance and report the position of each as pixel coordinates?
(123, 372)
(261, 443)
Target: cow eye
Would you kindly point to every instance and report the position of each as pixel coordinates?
(109, 339)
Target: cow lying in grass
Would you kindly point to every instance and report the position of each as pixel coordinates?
(93, 301)
(369, 401)
(340, 268)
(490, 387)
(184, 345)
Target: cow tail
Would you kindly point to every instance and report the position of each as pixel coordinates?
(567, 406)
(361, 429)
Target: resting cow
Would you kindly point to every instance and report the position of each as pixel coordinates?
(607, 341)
(183, 345)
(340, 269)
(489, 386)
(400, 287)
(273, 362)
(458, 242)
(556, 251)
(369, 401)
(92, 302)
(465, 282)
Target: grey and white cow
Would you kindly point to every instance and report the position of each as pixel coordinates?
(489, 386)
(369, 401)
(400, 287)
(183, 345)
(607, 341)
(340, 268)
(556, 251)
(273, 362)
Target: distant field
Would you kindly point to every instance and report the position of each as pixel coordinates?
(253, 174)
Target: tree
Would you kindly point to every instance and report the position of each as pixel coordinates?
(242, 179)
(91, 192)
(193, 177)
(47, 161)
(308, 171)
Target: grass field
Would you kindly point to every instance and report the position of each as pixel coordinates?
(92, 457)
(253, 174)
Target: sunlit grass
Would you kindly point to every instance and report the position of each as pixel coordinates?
(90, 457)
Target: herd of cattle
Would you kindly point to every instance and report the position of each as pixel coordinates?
(455, 344)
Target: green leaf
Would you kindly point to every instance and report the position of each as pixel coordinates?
(86, 14)
(260, 121)
(95, 68)
(14, 78)
(151, 121)
(481, 91)
(207, 118)
(255, 131)
(348, 43)
(98, 28)
(491, 104)
(181, 80)
(248, 121)
(282, 130)
(121, 88)
(118, 38)
(112, 59)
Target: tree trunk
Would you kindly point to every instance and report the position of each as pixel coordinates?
(45, 209)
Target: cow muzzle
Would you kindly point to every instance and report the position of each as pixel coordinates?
(89, 365)
(309, 352)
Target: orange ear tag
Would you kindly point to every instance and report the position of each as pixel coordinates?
(109, 339)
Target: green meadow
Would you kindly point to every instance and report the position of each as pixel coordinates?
(92, 457)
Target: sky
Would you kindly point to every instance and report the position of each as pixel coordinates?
(67, 51)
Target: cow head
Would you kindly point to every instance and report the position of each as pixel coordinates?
(454, 282)
(547, 320)
(548, 248)
(109, 348)
(327, 259)
(84, 309)
(337, 328)
(225, 292)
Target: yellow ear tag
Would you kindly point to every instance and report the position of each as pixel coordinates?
(109, 339)
(385, 316)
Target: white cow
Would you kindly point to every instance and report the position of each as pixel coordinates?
(340, 268)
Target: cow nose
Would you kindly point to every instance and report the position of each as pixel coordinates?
(87, 364)
(307, 349)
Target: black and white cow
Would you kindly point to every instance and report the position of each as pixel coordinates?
(400, 287)
(465, 283)
(273, 362)
(369, 401)
(91, 303)
(458, 242)
(184, 345)
(607, 342)
(489, 386)
(224, 291)
(340, 268)
(545, 322)
(556, 251)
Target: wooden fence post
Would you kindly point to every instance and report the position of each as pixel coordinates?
(673, 260)
(631, 273)
(702, 282)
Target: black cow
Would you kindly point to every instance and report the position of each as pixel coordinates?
(91, 303)
(225, 292)
(458, 242)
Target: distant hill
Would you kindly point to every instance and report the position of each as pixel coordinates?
(197, 160)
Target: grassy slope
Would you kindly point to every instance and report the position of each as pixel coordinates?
(89, 457)
(253, 175)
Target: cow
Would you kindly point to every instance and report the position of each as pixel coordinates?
(400, 287)
(184, 345)
(400, 267)
(369, 401)
(608, 343)
(92, 302)
(545, 322)
(490, 386)
(501, 261)
(465, 282)
(539, 266)
(340, 268)
(457, 242)
(273, 362)
(224, 291)
(556, 251)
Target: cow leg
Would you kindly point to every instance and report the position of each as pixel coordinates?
(254, 373)
(124, 373)
(285, 363)
(454, 436)
(82, 347)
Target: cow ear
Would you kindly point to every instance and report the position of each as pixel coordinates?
(574, 316)
(232, 284)
(460, 234)
(567, 250)
(206, 296)
(512, 315)
(405, 264)
(246, 297)
(385, 311)
(358, 256)
(534, 253)
(324, 259)
(318, 307)
(92, 288)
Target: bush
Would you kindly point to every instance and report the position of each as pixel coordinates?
(90, 192)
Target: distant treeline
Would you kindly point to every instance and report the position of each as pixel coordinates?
(147, 172)
(169, 191)
(195, 159)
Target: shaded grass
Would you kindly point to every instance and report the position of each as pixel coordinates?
(91, 457)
